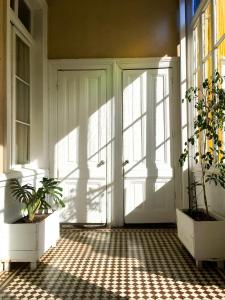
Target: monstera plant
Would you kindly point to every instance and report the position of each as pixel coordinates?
(205, 145)
(36, 199)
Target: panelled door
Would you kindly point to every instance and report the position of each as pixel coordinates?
(149, 193)
(81, 147)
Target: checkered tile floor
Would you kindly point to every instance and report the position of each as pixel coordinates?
(115, 264)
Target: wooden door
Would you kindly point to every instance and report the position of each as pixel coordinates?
(81, 147)
(149, 194)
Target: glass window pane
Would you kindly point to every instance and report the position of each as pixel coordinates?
(208, 74)
(208, 68)
(22, 60)
(221, 58)
(24, 14)
(22, 102)
(221, 69)
(12, 4)
(197, 57)
(207, 31)
(195, 5)
(22, 143)
(220, 10)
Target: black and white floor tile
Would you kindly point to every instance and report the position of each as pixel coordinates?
(115, 264)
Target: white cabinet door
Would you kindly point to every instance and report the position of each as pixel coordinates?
(81, 147)
(149, 194)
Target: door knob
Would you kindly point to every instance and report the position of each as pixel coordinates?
(101, 163)
(125, 162)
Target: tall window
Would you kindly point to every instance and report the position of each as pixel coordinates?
(22, 101)
(209, 44)
(209, 41)
(21, 81)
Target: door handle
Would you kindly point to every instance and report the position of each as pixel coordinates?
(125, 162)
(101, 163)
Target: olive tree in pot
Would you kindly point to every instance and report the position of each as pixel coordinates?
(28, 238)
(201, 231)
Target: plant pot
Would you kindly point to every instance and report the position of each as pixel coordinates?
(205, 240)
(27, 242)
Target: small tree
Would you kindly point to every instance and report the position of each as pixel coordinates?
(208, 125)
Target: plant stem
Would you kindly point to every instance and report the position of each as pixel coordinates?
(203, 164)
(204, 193)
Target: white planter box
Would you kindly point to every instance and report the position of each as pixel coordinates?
(205, 240)
(27, 242)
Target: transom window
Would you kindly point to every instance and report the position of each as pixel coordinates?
(195, 5)
(22, 11)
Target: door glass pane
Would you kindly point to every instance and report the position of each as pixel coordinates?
(220, 18)
(207, 31)
(22, 143)
(24, 14)
(22, 103)
(22, 60)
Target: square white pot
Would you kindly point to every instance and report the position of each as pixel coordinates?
(205, 240)
(27, 242)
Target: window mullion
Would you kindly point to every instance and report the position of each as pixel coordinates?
(213, 42)
(201, 51)
(13, 151)
(16, 7)
(23, 81)
(23, 123)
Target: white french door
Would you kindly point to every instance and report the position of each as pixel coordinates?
(81, 147)
(149, 193)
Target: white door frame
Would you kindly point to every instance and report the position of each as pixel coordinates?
(114, 69)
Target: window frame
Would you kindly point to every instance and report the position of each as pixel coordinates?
(38, 92)
(15, 33)
(198, 18)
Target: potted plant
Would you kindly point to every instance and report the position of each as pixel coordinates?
(29, 237)
(201, 231)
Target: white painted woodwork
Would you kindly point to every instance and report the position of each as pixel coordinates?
(113, 69)
(205, 240)
(39, 90)
(27, 242)
(81, 147)
(149, 193)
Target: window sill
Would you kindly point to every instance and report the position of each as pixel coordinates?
(21, 172)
